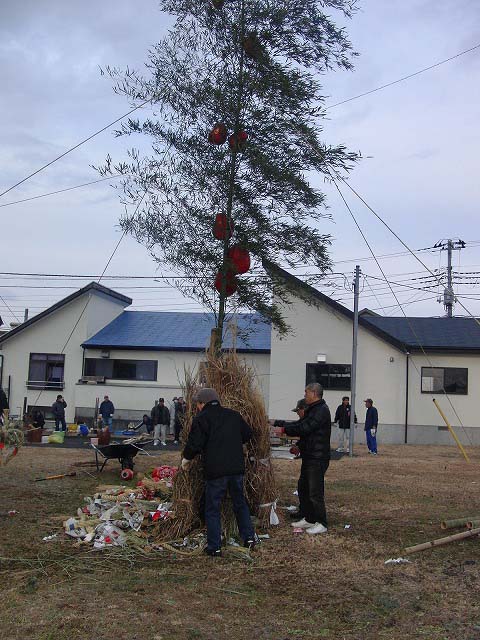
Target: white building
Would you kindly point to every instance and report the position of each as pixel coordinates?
(403, 363)
(87, 346)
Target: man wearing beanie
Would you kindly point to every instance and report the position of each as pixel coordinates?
(219, 435)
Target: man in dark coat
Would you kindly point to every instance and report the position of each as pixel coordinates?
(106, 411)
(342, 418)
(314, 431)
(161, 419)
(371, 426)
(3, 403)
(179, 418)
(58, 410)
(218, 434)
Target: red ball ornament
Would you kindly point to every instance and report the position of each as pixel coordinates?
(231, 283)
(220, 227)
(218, 135)
(240, 259)
(126, 474)
(237, 141)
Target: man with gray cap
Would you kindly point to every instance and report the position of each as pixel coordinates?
(219, 434)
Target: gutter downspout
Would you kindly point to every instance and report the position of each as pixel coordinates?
(406, 396)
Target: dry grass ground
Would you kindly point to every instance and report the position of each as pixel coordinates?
(333, 586)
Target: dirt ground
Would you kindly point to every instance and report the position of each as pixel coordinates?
(295, 586)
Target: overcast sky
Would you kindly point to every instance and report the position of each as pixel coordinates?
(419, 139)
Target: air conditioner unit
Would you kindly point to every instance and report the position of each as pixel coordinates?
(105, 353)
(92, 379)
(321, 357)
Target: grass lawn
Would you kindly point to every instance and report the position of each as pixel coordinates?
(331, 586)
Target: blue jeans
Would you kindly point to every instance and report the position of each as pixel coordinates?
(107, 422)
(214, 493)
(371, 441)
(63, 423)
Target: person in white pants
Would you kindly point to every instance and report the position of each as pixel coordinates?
(161, 419)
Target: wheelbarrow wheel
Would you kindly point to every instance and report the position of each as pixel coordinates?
(127, 463)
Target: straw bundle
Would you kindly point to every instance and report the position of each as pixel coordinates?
(236, 386)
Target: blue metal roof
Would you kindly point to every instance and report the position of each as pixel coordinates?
(172, 331)
(446, 334)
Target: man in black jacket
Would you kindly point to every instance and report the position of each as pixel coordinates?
(106, 411)
(58, 410)
(161, 419)
(342, 418)
(3, 404)
(314, 431)
(219, 434)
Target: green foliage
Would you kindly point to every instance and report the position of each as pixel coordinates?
(201, 73)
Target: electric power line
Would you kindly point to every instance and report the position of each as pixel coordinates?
(411, 75)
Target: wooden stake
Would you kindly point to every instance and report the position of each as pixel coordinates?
(450, 428)
(441, 541)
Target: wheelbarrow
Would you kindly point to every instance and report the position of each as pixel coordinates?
(124, 453)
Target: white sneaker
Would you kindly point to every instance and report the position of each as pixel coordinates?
(302, 524)
(164, 444)
(317, 528)
(156, 443)
(175, 442)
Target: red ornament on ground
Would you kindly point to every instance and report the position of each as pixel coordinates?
(240, 259)
(220, 227)
(126, 474)
(231, 283)
(218, 135)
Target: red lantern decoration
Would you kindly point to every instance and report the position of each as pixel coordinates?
(237, 140)
(231, 283)
(240, 259)
(218, 135)
(220, 227)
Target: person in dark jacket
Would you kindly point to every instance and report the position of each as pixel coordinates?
(58, 410)
(38, 419)
(218, 434)
(371, 426)
(342, 418)
(314, 431)
(3, 403)
(161, 419)
(146, 425)
(179, 418)
(106, 411)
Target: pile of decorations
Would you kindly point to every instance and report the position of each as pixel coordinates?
(122, 516)
(11, 439)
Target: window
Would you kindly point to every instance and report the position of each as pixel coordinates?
(330, 376)
(121, 369)
(46, 371)
(452, 379)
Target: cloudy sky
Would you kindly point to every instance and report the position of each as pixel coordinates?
(419, 139)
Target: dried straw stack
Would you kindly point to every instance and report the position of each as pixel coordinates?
(236, 386)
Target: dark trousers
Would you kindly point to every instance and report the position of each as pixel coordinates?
(214, 493)
(311, 491)
(371, 441)
(61, 421)
(178, 429)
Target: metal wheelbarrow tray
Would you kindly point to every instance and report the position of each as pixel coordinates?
(124, 453)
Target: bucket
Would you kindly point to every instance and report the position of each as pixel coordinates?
(34, 435)
(45, 439)
(57, 437)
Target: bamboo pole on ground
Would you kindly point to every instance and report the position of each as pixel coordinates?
(441, 541)
(474, 523)
(452, 432)
(458, 522)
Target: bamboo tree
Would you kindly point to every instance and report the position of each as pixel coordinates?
(252, 64)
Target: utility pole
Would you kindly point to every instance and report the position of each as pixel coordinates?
(356, 293)
(448, 294)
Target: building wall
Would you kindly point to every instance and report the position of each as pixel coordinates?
(133, 398)
(381, 375)
(50, 335)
